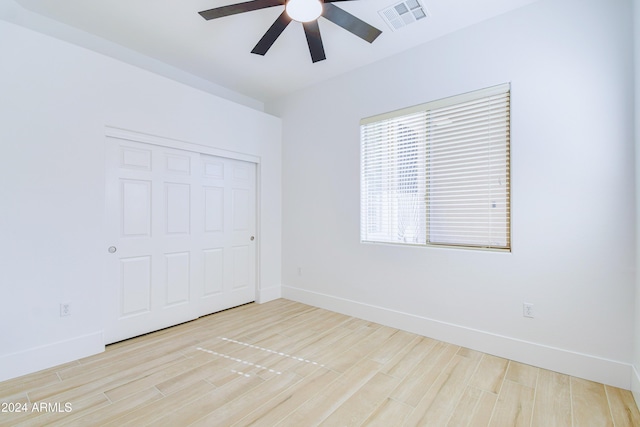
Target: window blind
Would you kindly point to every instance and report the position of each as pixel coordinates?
(439, 173)
(393, 199)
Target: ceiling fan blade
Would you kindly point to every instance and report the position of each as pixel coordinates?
(272, 34)
(350, 23)
(233, 9)
(316, 48)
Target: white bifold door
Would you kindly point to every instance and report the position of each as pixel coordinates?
(181, 236)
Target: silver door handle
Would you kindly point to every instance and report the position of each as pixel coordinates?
(112, 249)
(252, 238)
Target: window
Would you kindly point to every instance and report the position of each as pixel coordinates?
(438, 173)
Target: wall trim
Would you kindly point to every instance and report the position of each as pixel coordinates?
(594, 368)
(147, 138)
(635, 384)
(46, 356)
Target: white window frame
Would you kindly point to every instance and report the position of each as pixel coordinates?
(474, 205)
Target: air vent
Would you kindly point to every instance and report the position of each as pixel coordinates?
(403, 13)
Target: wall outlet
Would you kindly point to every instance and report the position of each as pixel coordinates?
(527, 310)
(65, 309)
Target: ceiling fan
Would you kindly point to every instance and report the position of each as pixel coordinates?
(305, 11)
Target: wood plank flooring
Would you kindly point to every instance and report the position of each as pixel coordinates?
(289, 364)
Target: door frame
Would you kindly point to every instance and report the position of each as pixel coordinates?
(112, 132)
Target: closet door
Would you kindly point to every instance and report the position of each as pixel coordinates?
(180, 227)
(227, 239)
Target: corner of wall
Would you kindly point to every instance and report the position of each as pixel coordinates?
(635, 376)
(269, 294)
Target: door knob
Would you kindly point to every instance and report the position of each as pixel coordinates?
(252, 238)
(112, 249)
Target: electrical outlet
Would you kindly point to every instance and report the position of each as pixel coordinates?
(527, 310)
(65, 309)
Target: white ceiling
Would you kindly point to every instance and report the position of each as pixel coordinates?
(219, 50)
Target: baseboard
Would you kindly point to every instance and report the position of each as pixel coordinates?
(635, 385)
(38, 358)
(269, 294)
(568, 362)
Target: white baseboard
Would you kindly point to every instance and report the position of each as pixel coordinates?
(38, 358)
(269, 294)
(635, 384)
(568, 362)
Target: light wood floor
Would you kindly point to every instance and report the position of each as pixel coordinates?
(288, 364)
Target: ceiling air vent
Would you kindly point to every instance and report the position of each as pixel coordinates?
(403, 13)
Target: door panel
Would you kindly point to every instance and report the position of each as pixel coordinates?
(178, 164)
(136, 208)
(213, 271)
(136, 285)
(178, 278)
(213, 168)
(178, 208)
(240, 267)
(240, 210)
(135, 158)
(182, 224)
(214, 209)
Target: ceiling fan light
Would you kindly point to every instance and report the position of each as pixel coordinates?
(304, 10)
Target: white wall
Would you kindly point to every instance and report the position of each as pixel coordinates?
(56, 99)
(635, 381)
(10, 11)
(570, 65)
